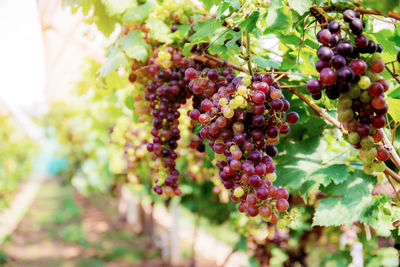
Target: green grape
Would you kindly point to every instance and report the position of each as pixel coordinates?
(281, 224)
(367, 142)
(365, 97)
(345, 115)
(354, 91)
(371, 75)
(370, 154)
(353, 138)
(376, 56)
(344, 103)
(368, 169)
(364, 82)
(238, 192)
(378, 166)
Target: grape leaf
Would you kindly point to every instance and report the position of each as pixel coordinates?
(135, 46)
(159, 31)
(300, 6)
(115, 59)
(265, 63)
(394, 108)
(115, 7)
(138, 14)
(250, 23)
(278, 19)
(348, 201)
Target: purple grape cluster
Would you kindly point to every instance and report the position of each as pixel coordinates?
(349, 70)
(242, 123)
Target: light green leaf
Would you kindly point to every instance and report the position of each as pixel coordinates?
(159, 31)
(135, 46)
(265, 63)
(115, 59)
(394, 108)
(300, 6)
(138, 14)
(279, 19)
(115, 7)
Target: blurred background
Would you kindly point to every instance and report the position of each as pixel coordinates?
(44, 221)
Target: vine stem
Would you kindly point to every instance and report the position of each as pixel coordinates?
(249, 53)
(396, 76)
(199, 8)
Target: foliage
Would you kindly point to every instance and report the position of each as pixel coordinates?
(321, 171)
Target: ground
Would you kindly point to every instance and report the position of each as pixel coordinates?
(65, 228)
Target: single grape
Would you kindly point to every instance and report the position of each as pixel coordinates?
(344, 48)
(349, 15)
(356, 26)
(377, 66)
(375, 89)
(333, 26)
(328, 76)
(324, 53)
(358, 66)
(324, 36)
(338, 62)
(361, 41)
(190, 73)
(382, 154)
(282, 205)
(292, 118)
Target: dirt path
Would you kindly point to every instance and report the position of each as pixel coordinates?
(63, 228)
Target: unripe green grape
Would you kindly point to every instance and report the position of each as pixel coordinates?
(367, 142)
(246, 80)
(378, 166)
(238, 192)
(354, 91)
(370, 154)
(365, 97)
(160, 181)
(364, 82)
(345, 115)
(371, 75)
(344, 95)
(376, 56)
(368, 169)
(267, 219)
(281, 224)
(353, 138)
(183, 19)
(344, 103)
(372, 130)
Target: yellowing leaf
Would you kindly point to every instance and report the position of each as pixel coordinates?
(394, 108)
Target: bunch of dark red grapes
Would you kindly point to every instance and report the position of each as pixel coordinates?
(349, 68)
(166, 93)
(242, 119)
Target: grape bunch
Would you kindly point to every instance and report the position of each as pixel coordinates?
(166, 92)
(349, 70)
(242, 119)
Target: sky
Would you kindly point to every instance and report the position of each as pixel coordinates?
(22, 63)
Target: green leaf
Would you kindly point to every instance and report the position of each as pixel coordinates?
(138, 14)
(250, 23)
(265, 63)
(209, 151)
(115, 59)
(279, 19)
(209, 3)
(197, 128)
(135, 46)
(352, 199)
(115, 7)
(394, 108)
(159, 31)
(130, 102)
(300, 6)
(182, 32)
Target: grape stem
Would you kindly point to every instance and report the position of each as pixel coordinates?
(199, 8)
(395, 75)
(248, 53)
